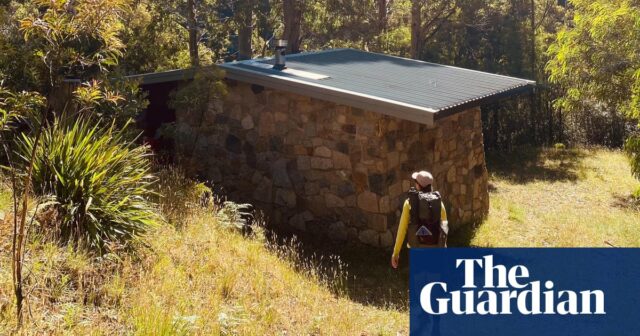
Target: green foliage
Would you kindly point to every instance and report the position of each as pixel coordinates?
(632, 146)
(198, 93)
(157, 38)
(118, 100)
(74, 39)
(179, 197)
(597, 57)
(232, 215)
(16, 106)
(100, 183)
(596, 60)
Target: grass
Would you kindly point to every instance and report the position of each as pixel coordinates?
(559, 198)
(201, 276)
(214, 281)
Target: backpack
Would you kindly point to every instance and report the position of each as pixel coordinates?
(425, 218)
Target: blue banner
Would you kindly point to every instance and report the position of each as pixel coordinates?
(524, 291)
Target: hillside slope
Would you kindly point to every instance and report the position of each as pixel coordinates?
(203, 278)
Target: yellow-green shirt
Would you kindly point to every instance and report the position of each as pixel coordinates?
(404, 224)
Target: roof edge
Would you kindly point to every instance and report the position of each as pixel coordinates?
(518, 90)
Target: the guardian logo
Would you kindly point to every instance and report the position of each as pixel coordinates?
(506, 291)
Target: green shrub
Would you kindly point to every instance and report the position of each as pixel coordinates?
(179, 197)
(99, 181)
(632, 146)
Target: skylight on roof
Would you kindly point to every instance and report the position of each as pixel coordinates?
(289, 71)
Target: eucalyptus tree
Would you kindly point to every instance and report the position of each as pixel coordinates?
(596, 59)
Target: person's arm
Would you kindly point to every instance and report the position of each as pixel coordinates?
(444, 227)
(443, 215)
(402, 228)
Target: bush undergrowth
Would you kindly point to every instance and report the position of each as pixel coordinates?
(100, 183)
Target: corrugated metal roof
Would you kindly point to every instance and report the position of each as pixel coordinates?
(404, 88)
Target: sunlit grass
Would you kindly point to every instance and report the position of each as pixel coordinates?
(217, 281)
(560, 198)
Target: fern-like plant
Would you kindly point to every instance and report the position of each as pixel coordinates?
(100, 183)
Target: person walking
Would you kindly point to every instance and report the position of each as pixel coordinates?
(423, 218)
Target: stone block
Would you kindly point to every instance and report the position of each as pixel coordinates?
(350, 201)
(247, 122)
(294, 137)
(386, 239)
(338, 231)
(300, 220)
(233, 144)
(280, 117)
(256, 178)
(352, 234)
(393, 159)
(406, 184)
(285, 197)
(369, 237)
(303, 163)
(266, 126)
(385, 204)
(345, 189)
(378, 222)
(310, 130)
(279, 174)
(333, 201)
(349, 128)
(311, 188)
(321, 163)
(368, 201)
(451, 175)
(263, 191)
(395, 190)
(322, 151)
(341, 161)
(377, 183)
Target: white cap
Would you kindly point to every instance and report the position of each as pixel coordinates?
(424, 178)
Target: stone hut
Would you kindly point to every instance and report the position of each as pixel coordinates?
(327, 145)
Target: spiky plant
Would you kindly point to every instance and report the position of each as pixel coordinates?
(100, 181)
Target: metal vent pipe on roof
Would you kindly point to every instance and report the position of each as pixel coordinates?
(281, 48)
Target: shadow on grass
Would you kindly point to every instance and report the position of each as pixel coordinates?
(627, 202)
(463, 236)
(536, 164)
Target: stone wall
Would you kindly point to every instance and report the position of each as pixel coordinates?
(322, 167)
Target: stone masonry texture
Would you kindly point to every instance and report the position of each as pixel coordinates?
(331, 169)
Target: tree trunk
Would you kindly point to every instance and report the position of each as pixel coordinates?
(382, 15)
(416, 29)
(534, 100)
(193, 33)
(245, 31)
(292, 10)
(533, 40)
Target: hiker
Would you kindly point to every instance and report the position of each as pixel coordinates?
(427, 225)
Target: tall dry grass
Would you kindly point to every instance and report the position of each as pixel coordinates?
(199, 274)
